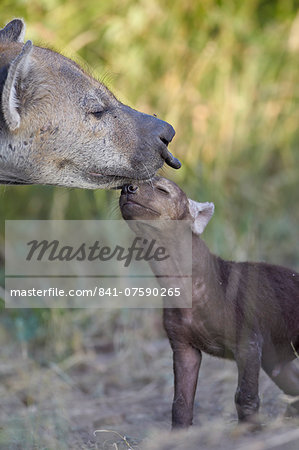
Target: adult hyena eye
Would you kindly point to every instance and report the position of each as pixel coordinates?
(98, 114)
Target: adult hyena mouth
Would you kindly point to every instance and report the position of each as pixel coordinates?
(112, 181)
(170, 159)
(117, 181)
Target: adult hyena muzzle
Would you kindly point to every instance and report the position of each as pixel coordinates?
(154, 136)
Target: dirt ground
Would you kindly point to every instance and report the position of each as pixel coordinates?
(128, 393)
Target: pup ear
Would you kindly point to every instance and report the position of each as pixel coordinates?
(12, 90)
(201, 214)
(14, 31)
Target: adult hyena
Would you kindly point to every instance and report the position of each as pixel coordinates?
(60, 126)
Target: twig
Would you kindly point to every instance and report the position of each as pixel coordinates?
(294, 350)
(118, 434)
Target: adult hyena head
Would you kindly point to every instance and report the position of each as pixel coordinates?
(60, 126)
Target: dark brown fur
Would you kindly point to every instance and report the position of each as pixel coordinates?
(244, 311)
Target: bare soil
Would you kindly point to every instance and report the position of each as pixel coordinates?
(129, 393)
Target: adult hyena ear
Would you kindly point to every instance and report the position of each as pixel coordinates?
(14, 31)
(12, 90)
(201, 214)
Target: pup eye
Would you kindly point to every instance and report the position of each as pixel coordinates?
(161, 189)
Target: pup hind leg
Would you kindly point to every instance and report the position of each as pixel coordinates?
(286, 377)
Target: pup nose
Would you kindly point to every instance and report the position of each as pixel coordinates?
(129, 189)
(132, 189)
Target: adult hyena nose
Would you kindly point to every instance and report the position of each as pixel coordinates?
(167, 132)
(166, 136)
(154, 135)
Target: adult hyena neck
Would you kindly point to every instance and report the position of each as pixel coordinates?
(14, 160)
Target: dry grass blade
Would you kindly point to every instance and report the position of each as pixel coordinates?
(294, 350)
(124, 438)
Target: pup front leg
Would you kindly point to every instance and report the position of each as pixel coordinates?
(248, 359)
(186, 364)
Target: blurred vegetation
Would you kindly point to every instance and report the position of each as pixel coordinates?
(224, 73)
